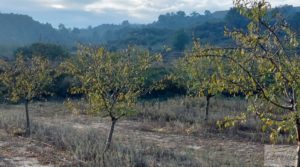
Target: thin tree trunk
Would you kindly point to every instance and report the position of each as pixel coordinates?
(27, 119)
(298, 142)
(207, 106)
(110, 134)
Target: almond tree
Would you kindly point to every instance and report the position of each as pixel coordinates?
(265, 66)
(110, 82)
(26, 79)
(198, 76)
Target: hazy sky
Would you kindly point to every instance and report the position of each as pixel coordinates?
(81, 13)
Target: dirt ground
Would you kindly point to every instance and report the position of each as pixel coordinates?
(23, 152)
(19, 151)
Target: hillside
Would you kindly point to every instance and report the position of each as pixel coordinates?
(171, 30)
(21, 29)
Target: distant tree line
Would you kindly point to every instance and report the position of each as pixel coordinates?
(175, 30)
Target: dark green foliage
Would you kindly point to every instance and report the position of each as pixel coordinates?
(3, 91)
(61, 86)
(169, 90)
(212, 33)
(181, 20)
(49, 51)
(164, 87)
(181, 39)
(295, 22)
(234, 19)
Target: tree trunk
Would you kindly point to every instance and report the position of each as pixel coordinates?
(110, 134)
(27, 119)
(207, 106)
(298, 142)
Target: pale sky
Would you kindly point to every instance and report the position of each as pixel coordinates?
(82, 13)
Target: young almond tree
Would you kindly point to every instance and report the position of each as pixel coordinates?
(199, 76)
(110, 82)
(25, 80)
(264, 64)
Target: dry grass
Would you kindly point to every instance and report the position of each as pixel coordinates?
(186, 116)
(86, 146)
(177, 117)
(190, 110)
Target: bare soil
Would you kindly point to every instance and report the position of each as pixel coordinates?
(221, 149)
(19, 151)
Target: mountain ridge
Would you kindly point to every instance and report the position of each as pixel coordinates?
(175, 30)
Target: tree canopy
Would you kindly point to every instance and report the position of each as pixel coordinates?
(264, 64)
(26, 79)
(110, 81)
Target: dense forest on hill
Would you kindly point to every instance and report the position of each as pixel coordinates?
(171, 30)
